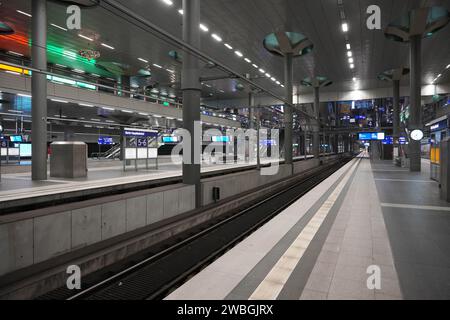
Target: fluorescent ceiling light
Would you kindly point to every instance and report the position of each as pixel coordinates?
(86, 105)
(108, 108)
(15, 53)
(273, 79)
(216, 37)
(13, 72)
(448, 67)
(354, 79)
(278, 82)
(439, 75)
(24, 95)
(255, 66)
(59, 27)
(350, 60)
(348, 46)
(203, 27)
(143, 114)
(143, 60)
(126, 111)
(95, 75)
(157, 65)
(262, 71)
(24, 13)
(171, 71)
(61, 65)
(349, 53)
(352, 66)
(107, 46)
(181, 11)
(84, 37)
(268, 75)
(156, 116)
(168, 2)
(78, 71)
(92, 119)
(17, 111)
(345, 27)
(248, 60)
(228, 46)
(282, 85)
(57, 100)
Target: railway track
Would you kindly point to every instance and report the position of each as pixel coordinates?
(158, 274)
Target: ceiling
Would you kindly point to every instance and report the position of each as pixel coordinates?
(243, 25)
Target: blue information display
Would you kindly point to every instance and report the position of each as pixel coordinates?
(105, 141)
(170, 139)
(15, 138)
(270, 142)
(371, 136)
(221, 139)
(139, 133)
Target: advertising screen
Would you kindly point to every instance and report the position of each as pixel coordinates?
(170, 139)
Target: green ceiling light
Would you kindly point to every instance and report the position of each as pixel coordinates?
(407, 26)
(166, 104)
(280, 43)
(5, 29)
(316, 82)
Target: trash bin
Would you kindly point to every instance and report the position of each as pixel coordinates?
(68, 159)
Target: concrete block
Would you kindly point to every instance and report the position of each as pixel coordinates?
(155, 207)
(51, 236)
(136, 213)
(171, 203)
(16, 245)
(187, 199)
(113, 219)
(86, 226)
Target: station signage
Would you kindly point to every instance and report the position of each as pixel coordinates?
(132, 132)
(379, 136)
(105, 141)
(439, 126)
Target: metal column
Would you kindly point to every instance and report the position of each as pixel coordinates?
(316, 127)
(396, 116)
(251, 111)
(415, 121)
(288, 122)
(39, 90)
(190, 81)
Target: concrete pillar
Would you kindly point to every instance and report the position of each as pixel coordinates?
(316, 128)
(415, 112)
(190, 84)
(396, 116)
(251, 111)
(288, 119)
(258, 125)
(39, 90)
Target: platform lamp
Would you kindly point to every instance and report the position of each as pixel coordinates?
(394, 76)
(317, 83)
(419, 23)
(289, 45)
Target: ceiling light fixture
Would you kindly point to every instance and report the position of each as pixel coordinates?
(352, 66)
(143, 60)
(107, 46)
(248, 60)
(181, 11)
(349, 54)
(216, 37)
(255, 66)
(262, 71)
(15, 53)
(168, 2)
(228, 46)
(84, 37)
(157, 65)
(268, 75)
(238, 53)
(24, 13)
(57, 100)
(345, 27)
(59, 27)
(78, 71)
(350, 60)
(203, 27)
(348, 46)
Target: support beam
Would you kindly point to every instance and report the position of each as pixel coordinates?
(39, 90)
(316, 126)
(415, 121)
(191, 87)
(396, 116)
(288, 119)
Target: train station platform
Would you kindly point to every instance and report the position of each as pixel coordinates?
(368, 221)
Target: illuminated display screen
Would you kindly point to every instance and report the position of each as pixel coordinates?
(105, 141)
(170, 139)
(220, 139)
(25, 149)
(371, 136)
(15, 138)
